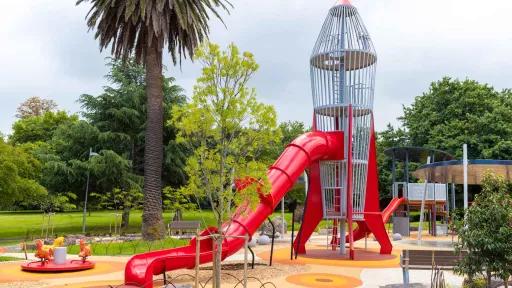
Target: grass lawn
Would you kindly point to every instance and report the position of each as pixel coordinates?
(8, 258)
(14, 226)
(129, 248)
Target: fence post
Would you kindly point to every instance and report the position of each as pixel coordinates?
(246, 238)
(197, 259)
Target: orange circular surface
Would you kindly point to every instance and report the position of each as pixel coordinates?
(319, 280)
(93, 284)
(322, 256)
(12, 272)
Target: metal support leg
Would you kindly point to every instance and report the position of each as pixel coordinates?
(293, 230)
(343, 232)
(252, 255)
(273, 236)
(405, 267)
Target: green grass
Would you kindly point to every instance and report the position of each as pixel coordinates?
(14, 226)
(129, 248)
(8, 258)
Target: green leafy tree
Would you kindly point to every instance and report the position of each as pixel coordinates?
(289, 131)
(178, 200)
(114, 176)
(229, 129)
(120, 200)
(119, 113)
(54, 202)
(66, 163)
(455, 112)
(486, 232)
(35, 106)
(144, 29)
(390, 137)
(19, 176)
(40, 127)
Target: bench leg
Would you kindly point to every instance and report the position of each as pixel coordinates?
(406, 277)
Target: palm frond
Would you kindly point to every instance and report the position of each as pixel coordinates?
(130, 27)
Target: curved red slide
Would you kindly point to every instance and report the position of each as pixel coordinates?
(392, 206)
(299, 155)
(362, 229)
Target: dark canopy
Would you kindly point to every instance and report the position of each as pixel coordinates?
(417, 154)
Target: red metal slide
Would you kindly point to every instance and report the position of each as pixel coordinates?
(392, 206)
(362, 229)
(299, 155)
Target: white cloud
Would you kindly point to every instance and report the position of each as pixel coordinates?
(48, 52)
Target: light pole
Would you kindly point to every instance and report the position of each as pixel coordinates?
(91, 154)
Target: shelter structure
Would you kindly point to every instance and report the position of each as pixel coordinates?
(434, 195)
(452, 171)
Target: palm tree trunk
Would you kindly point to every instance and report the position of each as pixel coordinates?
(152, 221)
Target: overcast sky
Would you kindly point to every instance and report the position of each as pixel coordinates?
(46, 50)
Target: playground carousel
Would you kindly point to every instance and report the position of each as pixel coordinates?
(53, 258)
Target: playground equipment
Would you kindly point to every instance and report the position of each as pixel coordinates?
(52, 258)
(340, 154)
(115, 220)
(85, 250)
(47, 225)
(436, 195)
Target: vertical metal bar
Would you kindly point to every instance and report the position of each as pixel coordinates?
(293, 230)
(465, 168)
(454, 206)
(246, 245)
(349, 188)
(422, 210)
(198, 251)
(282, 217)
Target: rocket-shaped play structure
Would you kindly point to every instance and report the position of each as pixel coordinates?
(339, 154)
(343, 66)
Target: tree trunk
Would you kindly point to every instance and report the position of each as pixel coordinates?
(125, 219)
(217, 261)
(489, 279)
(178, 215)
(152, 220)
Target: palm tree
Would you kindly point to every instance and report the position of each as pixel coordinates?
(144, 28)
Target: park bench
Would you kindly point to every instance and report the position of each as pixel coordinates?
(434, 260)
(183, 228)
(426, 259)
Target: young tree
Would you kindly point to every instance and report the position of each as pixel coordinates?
(120, 200)
(228, 129)
(177, 200)
(145, 28)
(35, 106)
(486, 232)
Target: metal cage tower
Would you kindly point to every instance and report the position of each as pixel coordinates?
(343, 66)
